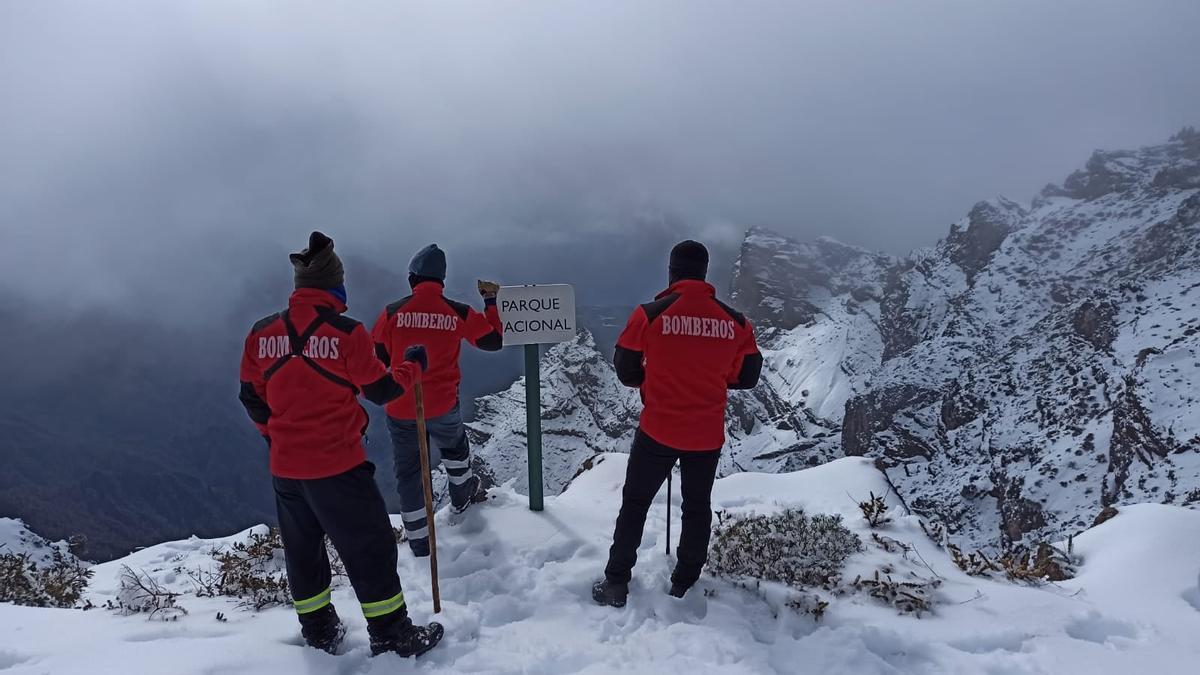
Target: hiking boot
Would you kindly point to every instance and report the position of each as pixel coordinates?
(609, 593)
(410, 641)
(323, 629)
(471, 487)
(419, 547)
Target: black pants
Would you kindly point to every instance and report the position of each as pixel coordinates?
(649, 464)
(349, 509)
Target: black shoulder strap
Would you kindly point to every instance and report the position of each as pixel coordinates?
(459, 308)
(655, 309)
(733, 313)
(297, 342)
(287, 324)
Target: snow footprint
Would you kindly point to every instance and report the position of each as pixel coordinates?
(996, 642)
(502, 610)
(1097, 628)
(13, 659)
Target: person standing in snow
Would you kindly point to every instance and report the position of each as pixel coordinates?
(428, 317)
(302, 371)
(683, 351)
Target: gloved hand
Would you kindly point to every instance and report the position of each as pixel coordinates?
(488, 289)
(416, 354)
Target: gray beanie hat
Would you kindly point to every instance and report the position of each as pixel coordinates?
(318, 266)
(429, 262)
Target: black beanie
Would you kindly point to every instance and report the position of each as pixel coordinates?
(318, 266)
(429, 263)
(689, 260)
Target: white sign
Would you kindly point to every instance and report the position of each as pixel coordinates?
(537, 314)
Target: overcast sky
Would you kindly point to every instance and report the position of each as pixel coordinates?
(151, 149)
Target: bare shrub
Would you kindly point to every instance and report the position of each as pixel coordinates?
(139, 593)
(254, 571)
(1034, 566)
(875, 511)
(909, 597)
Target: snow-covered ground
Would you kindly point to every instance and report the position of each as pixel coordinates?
(516, 584)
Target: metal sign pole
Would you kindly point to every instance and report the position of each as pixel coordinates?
(533, 423)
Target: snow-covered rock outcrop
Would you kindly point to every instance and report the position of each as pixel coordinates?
(18, 539)
(1040, 360)
(585, 411)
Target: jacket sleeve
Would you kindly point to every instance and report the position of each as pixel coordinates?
(253, 394)
(629, 356)
(485, 330)
(378, 383)
(380, 334)
(747, 365)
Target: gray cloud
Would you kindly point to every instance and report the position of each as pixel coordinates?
(152, 150)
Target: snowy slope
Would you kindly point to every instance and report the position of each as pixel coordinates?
(516, 600)
(16, 538)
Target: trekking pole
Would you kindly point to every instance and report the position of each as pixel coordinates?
(670, 475)
(423, 441)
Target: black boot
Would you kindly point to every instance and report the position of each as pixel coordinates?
(609, 593)
(323, 629)
(476, 495)
(396, 633)
(419, 547)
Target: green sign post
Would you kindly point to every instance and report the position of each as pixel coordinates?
(534, 315)
(533, 424)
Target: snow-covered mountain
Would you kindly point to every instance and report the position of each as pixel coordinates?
(1031, 369)
(1037, 363)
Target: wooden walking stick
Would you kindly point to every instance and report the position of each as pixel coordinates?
(423, 440)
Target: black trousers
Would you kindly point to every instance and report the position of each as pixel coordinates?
(649, 464)
(349, 509)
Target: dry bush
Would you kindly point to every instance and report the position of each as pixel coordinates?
(139, 593)
(811, 605)
(789, 547)
(875, 511)
(1045, 563)
(909, 597)
(58, 584)
(254, 571)
(891, 545)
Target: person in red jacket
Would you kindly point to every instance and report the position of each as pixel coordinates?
(684, 351)
(427, 317)
(302, 372)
